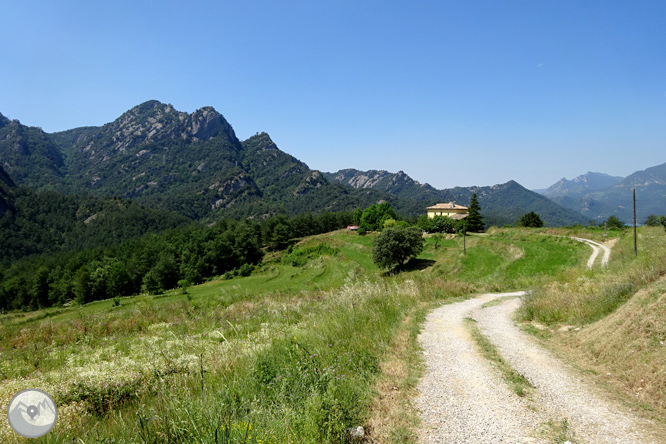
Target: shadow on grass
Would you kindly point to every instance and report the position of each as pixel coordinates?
(411, 265)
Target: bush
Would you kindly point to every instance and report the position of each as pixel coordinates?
(184, 284)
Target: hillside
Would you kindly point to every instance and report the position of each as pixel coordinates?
(6, 195)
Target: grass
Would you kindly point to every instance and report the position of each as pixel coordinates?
(314, 342)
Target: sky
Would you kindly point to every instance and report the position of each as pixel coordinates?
(453, 93)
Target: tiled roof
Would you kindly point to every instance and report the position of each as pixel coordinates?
(447, 206)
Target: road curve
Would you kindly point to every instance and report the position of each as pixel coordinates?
(463, 399)
(596, 247)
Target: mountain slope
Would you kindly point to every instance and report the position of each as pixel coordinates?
(6, 192)
(29, 155)
(501, 204)
(581, 185)
(650, 185)
(195, 165)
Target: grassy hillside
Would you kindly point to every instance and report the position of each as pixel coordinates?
(612, 323)
(316, 341)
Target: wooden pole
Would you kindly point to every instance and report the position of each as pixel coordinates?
(635, 245)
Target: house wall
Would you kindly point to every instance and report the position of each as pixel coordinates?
(445, 212)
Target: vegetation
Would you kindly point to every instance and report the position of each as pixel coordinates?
(374, 217)
(530, 220)
(438, 224)
(152, 263)
(394, 246)
(474, 221)
(300, 350)
(655, 221)
(613, 222)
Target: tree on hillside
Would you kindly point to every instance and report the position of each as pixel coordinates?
(374, 216)
(655, 221)
(530, 220)
(614, 222)
(396, 245)
(474, 220)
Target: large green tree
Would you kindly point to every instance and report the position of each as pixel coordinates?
(396, 245)
(374, 216)
(614, 222)
(474, 221)
(531, 220)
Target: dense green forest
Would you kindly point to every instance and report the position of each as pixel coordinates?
(150, 263)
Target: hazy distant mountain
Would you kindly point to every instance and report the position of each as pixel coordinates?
(598, 205)
(581, 185)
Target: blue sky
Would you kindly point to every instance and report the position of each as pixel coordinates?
(454, 93)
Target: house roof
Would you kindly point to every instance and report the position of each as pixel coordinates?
(458, 216)
(447, 206)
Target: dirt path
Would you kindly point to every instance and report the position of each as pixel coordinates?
(596, 247)
(463, 399)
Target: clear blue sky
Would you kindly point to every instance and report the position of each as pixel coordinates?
(451, 92)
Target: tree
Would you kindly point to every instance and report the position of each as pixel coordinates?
(614, 222)
(530, 220)
(474, 220)
(437, 224)
(395, 245)
(655, 221)
(374, 216)
(358, 213)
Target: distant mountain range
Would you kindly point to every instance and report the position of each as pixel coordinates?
(194, 164)
(598, 196)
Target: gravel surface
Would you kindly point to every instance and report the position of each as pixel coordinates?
(464, 400)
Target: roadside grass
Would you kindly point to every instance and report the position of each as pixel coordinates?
(292, 353)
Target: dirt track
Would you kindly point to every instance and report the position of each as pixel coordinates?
(463, 398)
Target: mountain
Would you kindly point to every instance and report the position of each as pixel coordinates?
(29, 155)
(6, 195)
(581, 185)
(501, 204)
(617, 199)
(194, 164)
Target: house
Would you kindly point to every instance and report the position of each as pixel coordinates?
(455, 212)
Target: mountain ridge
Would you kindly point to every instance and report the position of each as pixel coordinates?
(194, 164)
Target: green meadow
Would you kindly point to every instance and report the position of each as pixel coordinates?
(301, 351)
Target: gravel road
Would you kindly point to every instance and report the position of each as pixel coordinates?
(463, 399)
(596, 248)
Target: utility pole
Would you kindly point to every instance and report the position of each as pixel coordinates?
(606, 229)
(635, 246)
(464, 237)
